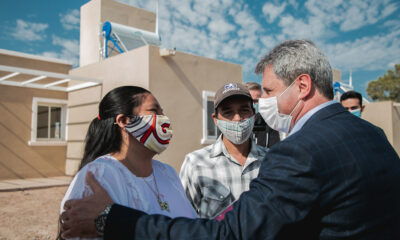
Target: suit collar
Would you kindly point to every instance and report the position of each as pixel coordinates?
(305, 118)
(326, 112)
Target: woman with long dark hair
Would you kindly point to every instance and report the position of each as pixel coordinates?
(120, 145)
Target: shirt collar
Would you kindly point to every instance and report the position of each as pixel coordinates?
(218, 149)
(254, 154)
(308, 115)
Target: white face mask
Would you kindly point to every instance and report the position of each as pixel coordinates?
(236, 131)
(268, 108)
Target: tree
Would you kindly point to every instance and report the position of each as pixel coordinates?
(386, 87)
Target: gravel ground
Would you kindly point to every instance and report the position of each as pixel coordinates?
(30, 214)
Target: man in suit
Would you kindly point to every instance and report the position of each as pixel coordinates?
(263, 135)
(316, 184)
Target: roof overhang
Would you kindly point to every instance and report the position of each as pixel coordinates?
(30, 78)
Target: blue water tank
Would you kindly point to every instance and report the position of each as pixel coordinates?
(106, 29)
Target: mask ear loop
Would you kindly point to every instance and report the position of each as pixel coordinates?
(296, 104)
(283, 93)
(295, 107)
(286, 89)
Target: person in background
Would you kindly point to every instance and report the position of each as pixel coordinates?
(334, 177)
(215, 176)
(263, 135)
(352, 101)
(120, 145)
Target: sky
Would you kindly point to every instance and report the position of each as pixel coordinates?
(361, 36)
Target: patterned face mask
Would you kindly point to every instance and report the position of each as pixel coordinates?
(153, 131)
(236, 132)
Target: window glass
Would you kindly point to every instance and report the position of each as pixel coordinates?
(211, 129)
(48, 121)
(55, 122)
(42, 122)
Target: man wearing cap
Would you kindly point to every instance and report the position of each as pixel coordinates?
(216, 175)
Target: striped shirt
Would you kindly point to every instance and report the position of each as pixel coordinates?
(213, 179)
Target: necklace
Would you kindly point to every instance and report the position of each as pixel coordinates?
(163, 204)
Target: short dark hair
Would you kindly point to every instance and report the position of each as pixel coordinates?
(351, 94)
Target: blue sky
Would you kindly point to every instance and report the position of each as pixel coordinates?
(358, 35)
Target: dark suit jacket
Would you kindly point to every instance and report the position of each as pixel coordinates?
(338, 177)
(263, 134)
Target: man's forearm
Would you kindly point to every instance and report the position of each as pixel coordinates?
(126, 223)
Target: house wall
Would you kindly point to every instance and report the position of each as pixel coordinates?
(96, 12)
(336, 75)
(385, 115)
(29, 63)
(17, 158)
(396, 127)
(178, 82)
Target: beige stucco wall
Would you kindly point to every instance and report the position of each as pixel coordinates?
(96, 12)
(89, 45)
(385, 115)
(178, 82)
(82, 108)
(128, 15)
(396, 127)
(24, 62)
(17, 158)
(336, 74)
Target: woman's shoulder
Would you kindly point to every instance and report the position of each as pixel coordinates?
(162, 166)
(102, 165)
(106, 171)
(165, 168)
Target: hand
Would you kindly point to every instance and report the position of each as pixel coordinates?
(78, 218)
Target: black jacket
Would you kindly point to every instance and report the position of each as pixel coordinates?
(263, 135)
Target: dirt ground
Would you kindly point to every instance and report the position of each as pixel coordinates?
(30, 214)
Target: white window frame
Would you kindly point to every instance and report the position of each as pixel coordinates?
(206, 138)
(52, 103)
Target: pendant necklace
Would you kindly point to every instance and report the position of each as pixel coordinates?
(163, 204)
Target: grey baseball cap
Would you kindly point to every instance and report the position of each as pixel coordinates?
(230, 89)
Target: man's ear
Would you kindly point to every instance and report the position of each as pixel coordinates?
(121, 120)
(362, 108)
(214, 118)
(305, 85)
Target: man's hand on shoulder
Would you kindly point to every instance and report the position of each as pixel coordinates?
(78, 218)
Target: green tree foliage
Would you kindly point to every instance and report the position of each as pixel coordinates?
(386, 87)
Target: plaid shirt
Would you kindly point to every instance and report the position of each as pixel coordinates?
(213, 179)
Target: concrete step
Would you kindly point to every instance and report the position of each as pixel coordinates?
(32, 183)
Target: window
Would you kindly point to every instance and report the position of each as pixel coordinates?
(48, 121)
(210, 132)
